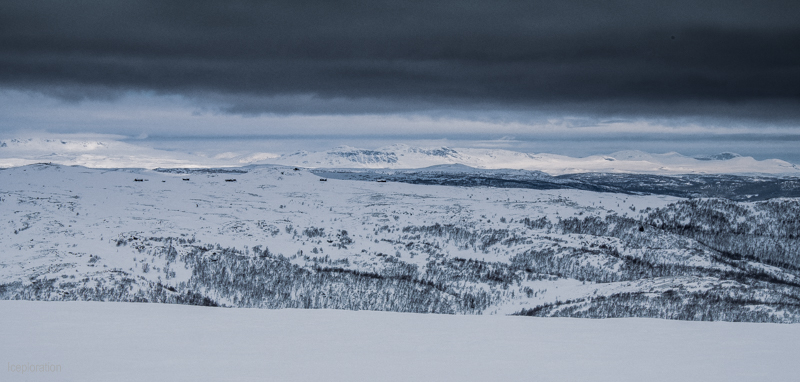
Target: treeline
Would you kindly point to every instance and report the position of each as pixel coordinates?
(601, 264)
(273, 281)
(260, 279)
(700, 306)
(122, 289)
(768, 232)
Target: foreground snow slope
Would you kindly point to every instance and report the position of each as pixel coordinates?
(160, 342)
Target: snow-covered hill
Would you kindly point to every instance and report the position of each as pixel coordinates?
(116, 154)
(276, 237)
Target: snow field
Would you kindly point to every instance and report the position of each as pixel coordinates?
(160, 342)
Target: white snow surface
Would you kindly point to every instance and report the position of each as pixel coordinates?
(116, 154)
(93, 341)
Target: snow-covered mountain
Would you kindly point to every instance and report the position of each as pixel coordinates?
(105, 153)
(404, 157)
(116, 154)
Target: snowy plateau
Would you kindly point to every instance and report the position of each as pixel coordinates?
(494, 251)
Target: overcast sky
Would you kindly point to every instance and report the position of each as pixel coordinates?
(719, 71)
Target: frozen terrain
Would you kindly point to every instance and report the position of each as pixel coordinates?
(150, 342)
(111, 261)
(280, 237)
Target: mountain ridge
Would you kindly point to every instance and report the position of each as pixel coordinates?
(117, 154)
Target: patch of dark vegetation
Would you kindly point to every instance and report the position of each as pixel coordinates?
(712, 305)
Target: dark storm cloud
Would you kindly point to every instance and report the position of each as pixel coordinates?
(602, 57)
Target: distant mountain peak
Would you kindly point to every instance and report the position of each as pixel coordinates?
(48, 144)
(436, 151)
(720, 156)
(630, 155)
(364, 156)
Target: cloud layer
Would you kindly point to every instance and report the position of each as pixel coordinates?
(706, 59)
